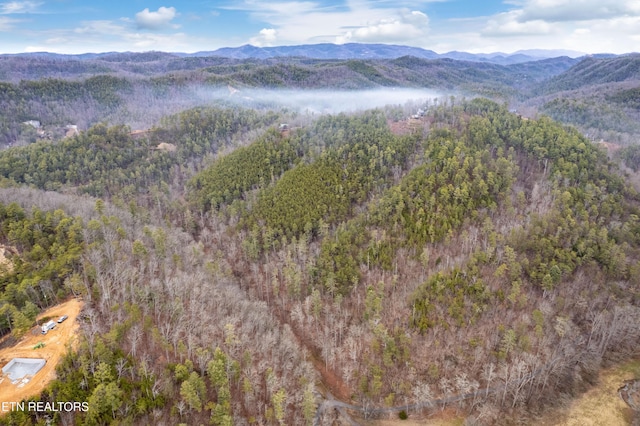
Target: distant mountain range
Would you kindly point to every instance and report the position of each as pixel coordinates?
(380, 51)
(325, 51)
(593, 91)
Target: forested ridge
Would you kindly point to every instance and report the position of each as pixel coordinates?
(137, 90)
(593, 93)
(243, 276)
(109, 160)
(245, 261)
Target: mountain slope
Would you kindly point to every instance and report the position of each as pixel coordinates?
(592, 71)
(137, 89)
(598, 95)
(482, 257)
(323, 51)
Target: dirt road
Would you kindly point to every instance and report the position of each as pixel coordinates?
(55, 346)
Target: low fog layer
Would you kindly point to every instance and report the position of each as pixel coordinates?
(320, 101)
(144, 107)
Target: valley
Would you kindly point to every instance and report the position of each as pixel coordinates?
(299, 240)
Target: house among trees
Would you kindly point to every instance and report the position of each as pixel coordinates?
(284, 129)
(40, 131)
(139, 134)
(72, 130)
(33, 123)
(419, 114)
(167, 147)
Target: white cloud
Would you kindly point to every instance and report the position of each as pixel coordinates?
(156, 20)
(271, 10)
(266, 37)
(105, 35)
(617, 35)
(15, 7)
(100, 28)
(623, 25)
(591, 26)
(416, 17)
(165, 42)
(57, 41)
(509, 24)
(584, 25)
(7, 24)
(409, 25)
(298, 22)
(581, 32)
(577, 10)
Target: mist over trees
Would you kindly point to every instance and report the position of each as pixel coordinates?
(137, 90)
(236, 271)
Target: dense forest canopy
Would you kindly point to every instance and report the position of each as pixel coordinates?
(43, 259)
(266, 266)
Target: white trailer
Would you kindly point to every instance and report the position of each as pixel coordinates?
(48, 326)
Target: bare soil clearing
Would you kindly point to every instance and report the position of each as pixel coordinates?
(55, 346)
(413, 422)
(447, 417)
(4, 262)
(601, 405)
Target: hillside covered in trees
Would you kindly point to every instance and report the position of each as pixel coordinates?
(477, 259)
(596, 94)
(137, 90)
(249, 255)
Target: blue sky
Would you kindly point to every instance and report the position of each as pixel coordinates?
(79, 26)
